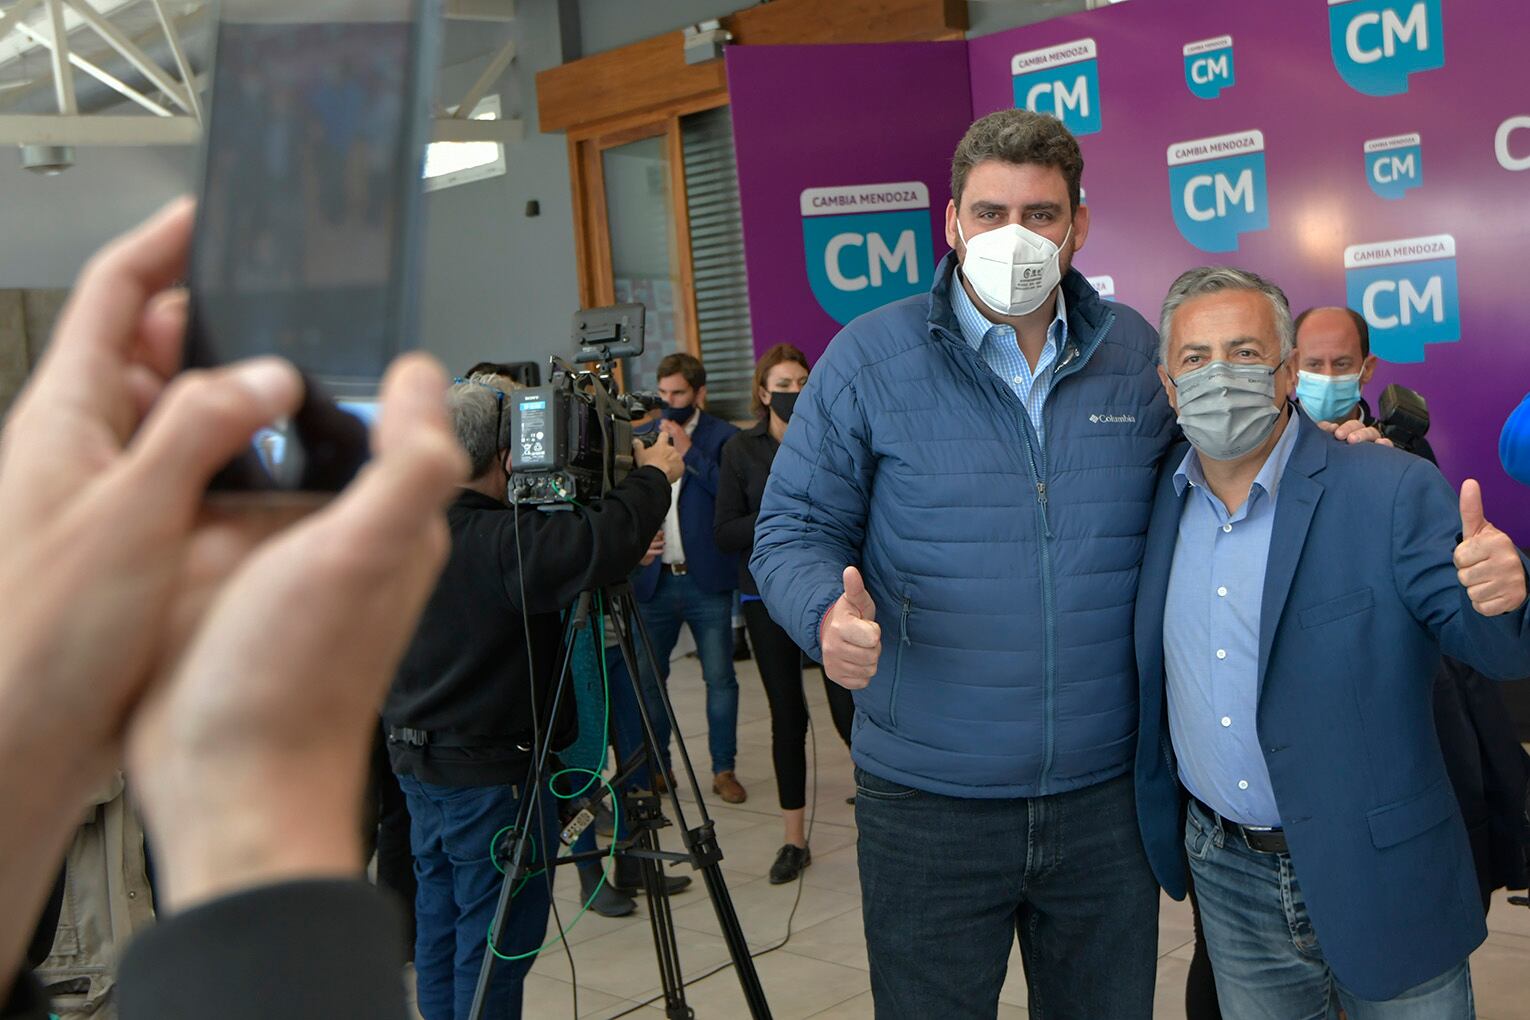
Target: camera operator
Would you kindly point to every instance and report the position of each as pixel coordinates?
(475, 685)
(1334, 362)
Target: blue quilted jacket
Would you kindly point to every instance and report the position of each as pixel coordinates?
(1004, 569)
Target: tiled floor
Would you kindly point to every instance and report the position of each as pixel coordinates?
(821, 972)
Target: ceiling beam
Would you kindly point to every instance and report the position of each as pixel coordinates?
(178, 51)
(63, 76)
(130, 51)
(31, 129)
(106, 78)
(449, 129)
(11, 18)
(16, 45)
(486, 80)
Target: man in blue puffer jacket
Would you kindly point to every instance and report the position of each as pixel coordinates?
(954, 525)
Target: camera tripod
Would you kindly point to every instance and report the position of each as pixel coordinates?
(642, 809)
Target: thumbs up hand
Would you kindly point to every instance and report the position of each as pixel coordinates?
(851, 638)
(1487, 563)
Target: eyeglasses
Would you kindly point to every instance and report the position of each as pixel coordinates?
(499, 403)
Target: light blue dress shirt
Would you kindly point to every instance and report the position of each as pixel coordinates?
(1211, 638)
(998, 345)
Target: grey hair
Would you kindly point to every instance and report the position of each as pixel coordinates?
(474, 408)
(1209, 280)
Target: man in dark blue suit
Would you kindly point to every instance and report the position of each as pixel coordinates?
(690, 581)
(1286, 658)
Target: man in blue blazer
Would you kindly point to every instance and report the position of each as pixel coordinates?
(1286, 651)
(690, 581)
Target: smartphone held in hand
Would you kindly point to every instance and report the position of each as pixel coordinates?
(308, 228)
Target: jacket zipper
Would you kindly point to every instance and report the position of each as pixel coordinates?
(903, 642)
(1048, 593)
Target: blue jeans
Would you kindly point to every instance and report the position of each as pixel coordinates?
(458, 890)
(1268, 963)
(627, 723)
(627, 726)
(947, 883)
(676, 600)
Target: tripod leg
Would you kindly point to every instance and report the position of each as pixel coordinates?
(660, 918)
(531, 802)
(700, 843)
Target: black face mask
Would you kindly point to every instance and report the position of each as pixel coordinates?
(678, 415)
(781, 405)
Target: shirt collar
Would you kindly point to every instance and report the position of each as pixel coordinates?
(976, 326)
(1268, 479)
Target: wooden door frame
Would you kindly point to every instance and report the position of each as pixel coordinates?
(647, 87)
(592, 225)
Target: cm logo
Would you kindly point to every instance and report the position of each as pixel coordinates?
(1394, 166)
(1218, 189)
(866, 245)
(1063, 81)
(1377, 44)
(880, 260)
(1209, 66)
(1408, 292)
(1503, 146)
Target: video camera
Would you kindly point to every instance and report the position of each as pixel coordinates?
(571, 440)
(1404, 417)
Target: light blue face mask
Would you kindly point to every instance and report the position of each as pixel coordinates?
(1327, 397)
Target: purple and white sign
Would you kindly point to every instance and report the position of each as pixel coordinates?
(1287, 138)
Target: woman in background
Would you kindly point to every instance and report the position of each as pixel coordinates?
(778, 378)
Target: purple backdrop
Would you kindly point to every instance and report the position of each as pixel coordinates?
(814, 117)
(826, 116)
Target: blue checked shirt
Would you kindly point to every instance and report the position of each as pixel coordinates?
(1211, 638)
(998, 345)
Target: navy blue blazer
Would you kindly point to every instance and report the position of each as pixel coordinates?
(1360, 597)
(712, 570)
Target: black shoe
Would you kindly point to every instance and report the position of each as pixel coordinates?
(628, 879)
(850, 800)
(789, 864)
(741, 645)
(608, 902)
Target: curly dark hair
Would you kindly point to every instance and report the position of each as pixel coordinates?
(1019, 137)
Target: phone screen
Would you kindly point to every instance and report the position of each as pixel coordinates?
(306, 228)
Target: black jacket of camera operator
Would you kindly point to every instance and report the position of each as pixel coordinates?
(460, 710)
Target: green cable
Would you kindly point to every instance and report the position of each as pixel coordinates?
(605, 726)
(616, 820)
(552, 787)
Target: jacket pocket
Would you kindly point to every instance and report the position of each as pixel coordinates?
(1413, 816)
(892, 704)
(1357, 601)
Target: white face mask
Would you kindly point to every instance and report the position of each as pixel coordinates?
(1012, 269)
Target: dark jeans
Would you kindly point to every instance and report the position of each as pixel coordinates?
(947, 883)
(459, 890)
(627, 723)
(1201, 1001)
(780, 663)
(386, 830)
(679, 599)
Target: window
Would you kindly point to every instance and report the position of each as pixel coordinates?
(451, 163)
